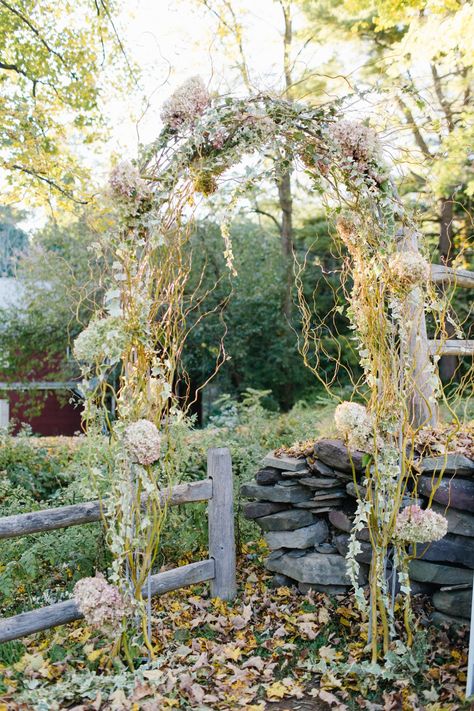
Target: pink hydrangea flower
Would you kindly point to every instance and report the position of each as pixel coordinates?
(143, 442)
(102, 604)
(127, 184)
(356, 142)
(416, 525)
(189, 101)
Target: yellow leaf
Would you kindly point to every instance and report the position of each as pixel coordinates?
(329, 654)
(232, 652)
(277, 690)
(95, 654)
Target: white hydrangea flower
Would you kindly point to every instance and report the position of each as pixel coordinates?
(102, 604)
(188, 101)
(143, 442)
(407, 269)
(102, 341)
(354, 425)
(416, 525)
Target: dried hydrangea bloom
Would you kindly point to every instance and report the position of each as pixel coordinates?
(127, 184)
(102, 341)
(354, 425)
(408, 269)
(416, 525)
(347, 230)
(189, 101)
(356, 142)
(143, 442)
(102, 604)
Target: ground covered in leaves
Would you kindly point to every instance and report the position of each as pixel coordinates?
(273, 649)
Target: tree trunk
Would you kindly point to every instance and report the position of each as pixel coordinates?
(286, 236)
(447, 364)
(285, 198)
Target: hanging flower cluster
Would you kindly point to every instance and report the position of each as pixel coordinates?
(186, 104)
(354, 425)
(102, 342)
(102, 604)
(142, 440)
(358, 145)
(407, 270)
(416, 525)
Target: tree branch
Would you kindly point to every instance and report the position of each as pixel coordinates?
(268, 214)
(443, 102)
(33, 29)
(49, 181)
(420, 141)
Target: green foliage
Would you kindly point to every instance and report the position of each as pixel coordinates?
(36, 474)
(59, 286)
(13, 241)
(262, 347)
(250, 431)
(52, 70)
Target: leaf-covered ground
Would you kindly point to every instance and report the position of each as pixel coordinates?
(273, 649)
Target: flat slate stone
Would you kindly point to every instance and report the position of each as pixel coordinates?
(438, 619)
(255, 509)
(455, 493)
(321, 468)
(326, 548)
(334, 453)
(279, 494)
(289, 464)
(341, 520)
(305, 537)
(281, 581)
(342, 544)
(316, 507)
(325, 495)
(319, 482)
(352, 490)
(426, 572)
(328, 589)
(451, 464)
(314, 568)
(459, 522)
(288, 520)
(268, 476)
(456, 603)
(295, 475)
(450, 549)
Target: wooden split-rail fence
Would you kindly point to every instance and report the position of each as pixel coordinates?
(219, 568)
(447, 276)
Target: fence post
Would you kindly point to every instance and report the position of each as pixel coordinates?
(4, 413)
(221, 524)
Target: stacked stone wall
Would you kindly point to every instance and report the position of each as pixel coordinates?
(305, 508)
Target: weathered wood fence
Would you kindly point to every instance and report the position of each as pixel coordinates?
(219, 568)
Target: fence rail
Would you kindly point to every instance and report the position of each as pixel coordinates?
(219, 568)
(90, 511)
(453, 348)
(447, 275)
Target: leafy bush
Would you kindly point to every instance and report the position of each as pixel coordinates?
(42, 568)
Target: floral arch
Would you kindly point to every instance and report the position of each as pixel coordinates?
(141, 328)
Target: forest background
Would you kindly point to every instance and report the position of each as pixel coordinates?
(70, 114)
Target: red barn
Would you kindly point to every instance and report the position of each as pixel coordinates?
(38, 397)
